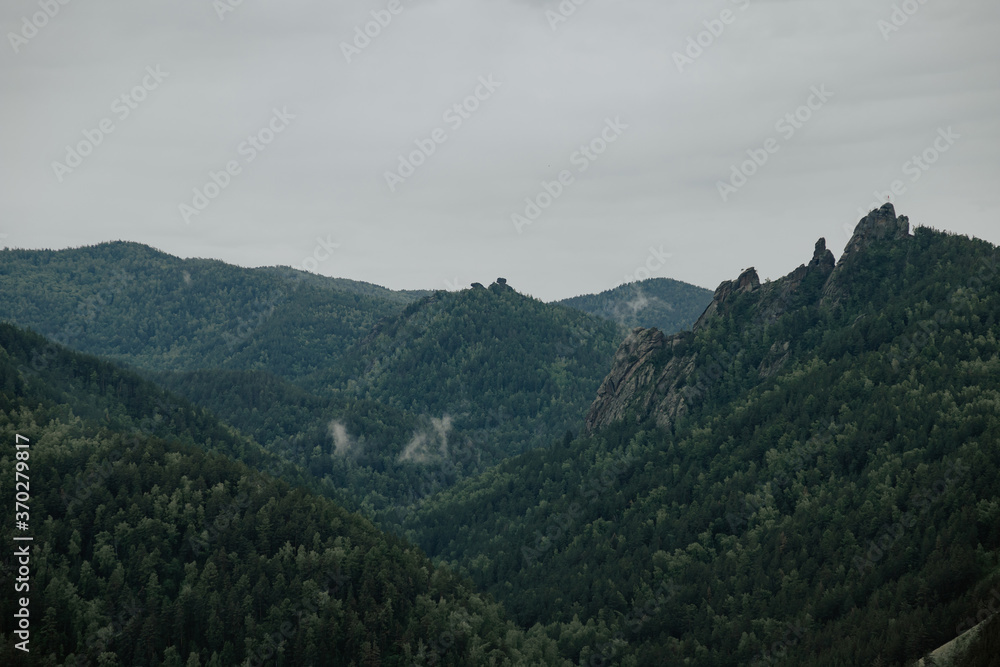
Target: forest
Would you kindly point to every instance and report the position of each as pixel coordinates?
(239, 467)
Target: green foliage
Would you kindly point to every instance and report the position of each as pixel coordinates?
(136, 305)
(165, 551)
(491, 359)
(840, 510)
(423, 388)
(832, 497)
(668, 305)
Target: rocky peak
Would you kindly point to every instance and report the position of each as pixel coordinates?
(747, 281)
(645, 384)
(822, 257)
(644, 387)
(631, 375)
(822, 261)
(880, 223)
(501, 286)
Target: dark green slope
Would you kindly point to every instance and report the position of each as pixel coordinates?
(70, 385)
(829, 495)
(415, 399)
(160, 550)
(454, 384)
(485, 359)
(349, 447)
(666, 304)
(134, 304)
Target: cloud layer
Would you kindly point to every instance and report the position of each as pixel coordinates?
(256, 119)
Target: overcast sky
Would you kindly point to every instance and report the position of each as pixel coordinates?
(886, 81)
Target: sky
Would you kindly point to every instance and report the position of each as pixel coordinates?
(427, 144)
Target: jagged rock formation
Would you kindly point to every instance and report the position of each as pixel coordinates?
(747, 281)
(878, 224)
(500, 286)
(632, 374)
(659, 377)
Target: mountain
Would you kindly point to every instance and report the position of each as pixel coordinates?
(153, 545)
(380, 396)
(660, 376)
(453, 384)
(668, 305)
(485, 357)
(810, 476)
(139, 306)
(977, 647)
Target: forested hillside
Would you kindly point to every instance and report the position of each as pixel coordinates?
(668, 305)
(131, 303)
(826, 494)
(383, 397)
(809, 475)
(483, 359)
(164, 550)
(455, 383)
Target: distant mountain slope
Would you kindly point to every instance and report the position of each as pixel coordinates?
(381, 396)
(452, 385)
(810, 477)
(164, 550)
(137, 305)
(668, 305)
(486, 359)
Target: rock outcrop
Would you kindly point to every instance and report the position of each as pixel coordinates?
(747, 281)
(500, 286)
(662, 377)
(879, 224)
(637, 384)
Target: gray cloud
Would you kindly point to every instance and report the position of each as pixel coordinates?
(323, 176)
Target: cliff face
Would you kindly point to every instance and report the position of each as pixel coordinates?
(746, 282)
(629, 386)
(661, 377)
(879, 224)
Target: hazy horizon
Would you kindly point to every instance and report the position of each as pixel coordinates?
(465, 141)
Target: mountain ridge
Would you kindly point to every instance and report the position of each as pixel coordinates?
(666, 304)
(835, 472)
(670, 391)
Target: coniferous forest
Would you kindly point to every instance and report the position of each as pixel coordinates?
(234, 466)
